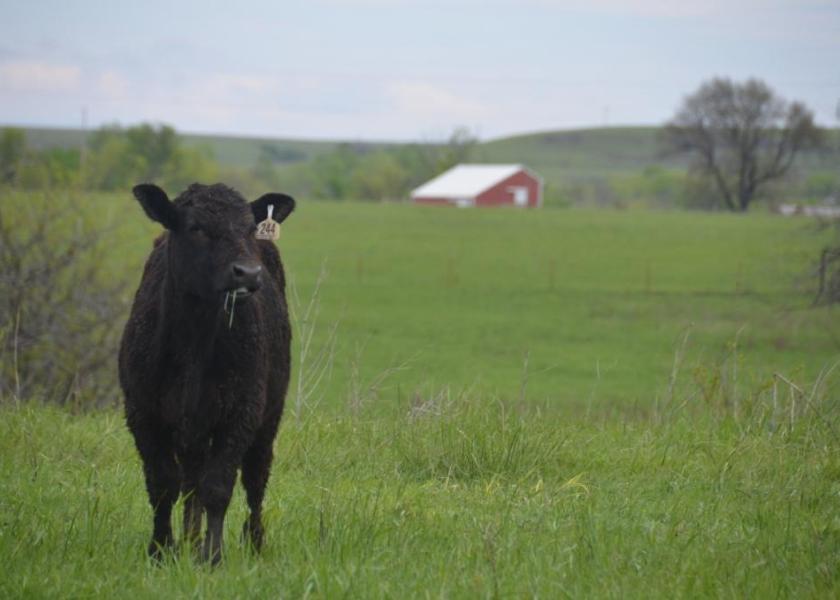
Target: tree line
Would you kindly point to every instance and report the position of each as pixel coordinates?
(739, 140)
(111, 158)
(114, 158)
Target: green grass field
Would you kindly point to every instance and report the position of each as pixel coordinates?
(474, 502)
(558, 403)
(570, 309)
(596, 303)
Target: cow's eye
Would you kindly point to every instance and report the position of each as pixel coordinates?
(197, 232)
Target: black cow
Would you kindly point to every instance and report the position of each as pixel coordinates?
(204, 360)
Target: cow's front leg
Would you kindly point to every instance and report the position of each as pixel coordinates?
(154, 443)
(192, 464)
(214, 493)
(217, 483)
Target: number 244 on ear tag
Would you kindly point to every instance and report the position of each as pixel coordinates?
(269, 229)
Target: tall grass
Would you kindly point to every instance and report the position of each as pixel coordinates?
(314, 362)
(466, 496)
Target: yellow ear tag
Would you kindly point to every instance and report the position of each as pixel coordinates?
(269, 229)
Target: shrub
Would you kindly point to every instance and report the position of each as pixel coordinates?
(59, 311)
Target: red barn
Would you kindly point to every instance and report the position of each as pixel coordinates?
(483, 185)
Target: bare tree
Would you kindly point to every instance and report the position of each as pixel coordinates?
(741, 136)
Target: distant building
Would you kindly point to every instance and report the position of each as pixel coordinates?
(824, 211)
(483, 185)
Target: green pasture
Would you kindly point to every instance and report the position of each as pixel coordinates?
(562, 308)
(571, 310)
(554, 403)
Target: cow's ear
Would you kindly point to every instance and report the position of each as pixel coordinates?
(157, 205)
(283, 206)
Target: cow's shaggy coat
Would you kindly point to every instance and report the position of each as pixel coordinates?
(203, 392)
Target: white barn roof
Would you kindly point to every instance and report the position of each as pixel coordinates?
(465, 181)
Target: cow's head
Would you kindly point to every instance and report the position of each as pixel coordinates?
(212, 249)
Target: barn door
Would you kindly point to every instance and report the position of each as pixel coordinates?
(520, 195)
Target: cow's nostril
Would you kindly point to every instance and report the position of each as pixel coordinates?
(243, 272)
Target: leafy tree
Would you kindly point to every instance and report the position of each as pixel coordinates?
(275, 153)
(21, 166)
(420, 161)
(122, 157)
(331, 173)
(189, 165)
(112, 165)
(51, 168)
(742, 136)
(265, 171)
(457, 149)
(379, 176)
(157, 145)
(389, 173)
(12, 151)
(103, 135)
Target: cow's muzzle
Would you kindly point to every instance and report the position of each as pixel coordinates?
(244, 279)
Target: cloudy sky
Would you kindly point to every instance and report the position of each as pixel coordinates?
(402, 69)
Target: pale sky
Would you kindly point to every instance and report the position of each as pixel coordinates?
(402, 69)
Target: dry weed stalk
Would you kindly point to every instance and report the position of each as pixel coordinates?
(315, 364)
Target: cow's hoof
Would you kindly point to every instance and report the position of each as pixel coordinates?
(252, 535)
(211, 553)
(158, 548)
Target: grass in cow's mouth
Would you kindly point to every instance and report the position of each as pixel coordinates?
(230, 305)
(230, 301)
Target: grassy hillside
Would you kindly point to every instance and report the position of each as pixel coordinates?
(608, 151)
(577, 153)
(581, 153)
